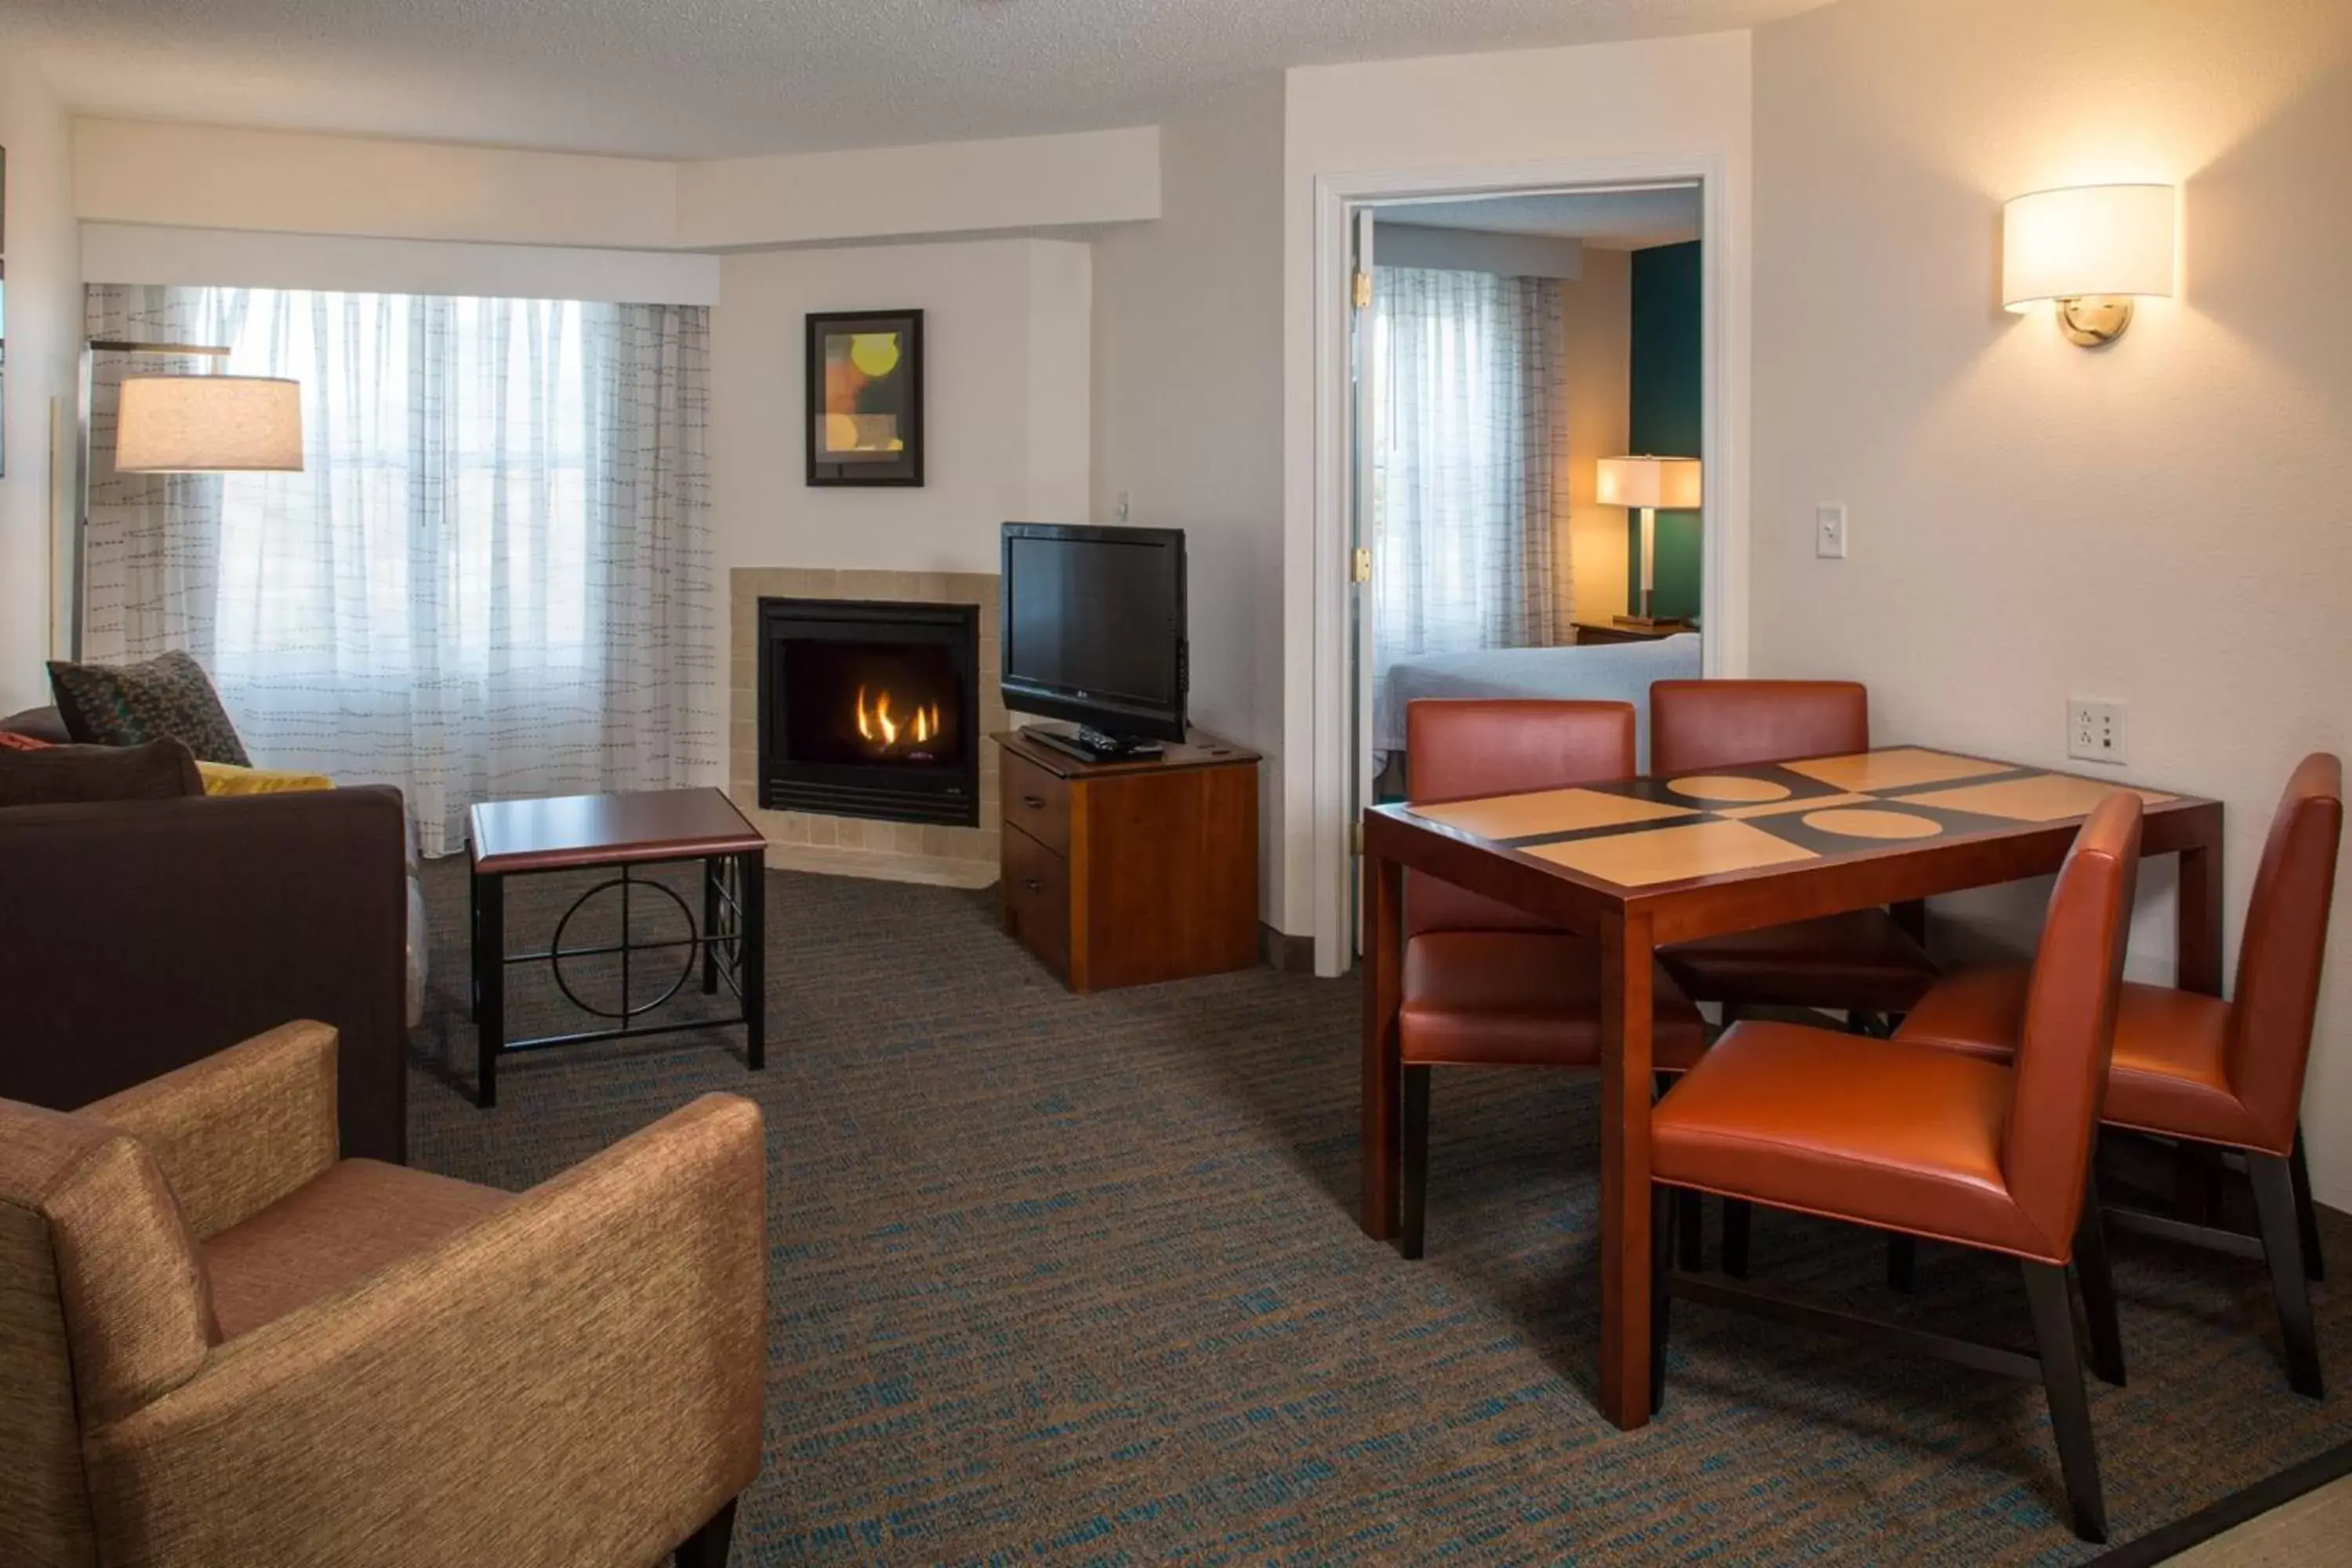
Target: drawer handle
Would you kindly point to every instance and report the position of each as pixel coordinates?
(1033, 802)
(1032, 884)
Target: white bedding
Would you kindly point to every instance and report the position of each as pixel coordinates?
(1613, 672)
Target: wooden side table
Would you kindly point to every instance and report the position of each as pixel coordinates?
(1130, 872)
(621, 833)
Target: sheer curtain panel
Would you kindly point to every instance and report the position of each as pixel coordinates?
(492, 577)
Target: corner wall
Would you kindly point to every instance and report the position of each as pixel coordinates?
(44, 328)
(2163, 521)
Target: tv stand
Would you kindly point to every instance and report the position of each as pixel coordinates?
(1089, 744)
(1129, 870)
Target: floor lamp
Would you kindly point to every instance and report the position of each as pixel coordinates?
(1648, 483)
(181, 424)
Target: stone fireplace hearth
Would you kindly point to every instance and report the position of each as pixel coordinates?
(847, 813)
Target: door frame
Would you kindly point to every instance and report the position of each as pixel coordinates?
(1723, 594)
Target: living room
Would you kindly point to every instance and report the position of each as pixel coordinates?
(1088, 1270)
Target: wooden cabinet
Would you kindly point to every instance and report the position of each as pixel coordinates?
(1128, 873)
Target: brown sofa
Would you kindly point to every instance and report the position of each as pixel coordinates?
(136, 936)
(220, 1344)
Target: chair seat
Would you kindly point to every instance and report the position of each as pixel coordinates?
(1904, 1137)
(1860, 960)
(2168, 1072)
(356, 1218)
(1525, 999)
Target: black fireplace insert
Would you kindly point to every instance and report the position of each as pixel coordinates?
(870, 708)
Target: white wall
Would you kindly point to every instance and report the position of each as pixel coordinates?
(44, 328)
(1402, 243)
(1662, 98)
(2163, 521)
(1188, 412)
(1598, 312)
(1005, 350)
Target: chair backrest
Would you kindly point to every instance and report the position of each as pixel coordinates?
(1461, 750)
(2282, 948)
(2068, 1029)
(1700, 725)
(103, 1307)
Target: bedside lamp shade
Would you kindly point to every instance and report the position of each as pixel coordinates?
(1670, 483)
(209, 424)
(2091, 249)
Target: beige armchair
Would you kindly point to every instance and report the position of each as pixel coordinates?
(220, 1344)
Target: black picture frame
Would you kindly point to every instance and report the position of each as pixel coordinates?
(901, 400)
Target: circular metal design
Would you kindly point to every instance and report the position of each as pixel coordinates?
(557, 952)
(1857, 822)
(1727, 787)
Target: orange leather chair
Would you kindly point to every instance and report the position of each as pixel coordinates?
(2224, 1074)
(1484, 985)
(1924, 1141)
(1861, 962)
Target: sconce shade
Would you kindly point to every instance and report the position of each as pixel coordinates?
(2086, 241)
(209, 424)
(1670, 484)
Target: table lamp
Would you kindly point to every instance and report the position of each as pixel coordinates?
(1648, 483)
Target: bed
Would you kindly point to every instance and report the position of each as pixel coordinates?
(1616, 672)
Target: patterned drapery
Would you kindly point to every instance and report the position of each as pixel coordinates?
(491, 579)
(1470, 463)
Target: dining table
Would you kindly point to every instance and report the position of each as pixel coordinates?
(1637, 864)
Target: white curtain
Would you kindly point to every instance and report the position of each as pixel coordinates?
(492, 578)
(1470, 463)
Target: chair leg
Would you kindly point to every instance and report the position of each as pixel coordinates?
(2098, 1283)
(2282, 1248)
(2315, 1266)
(1414, 1135)
(708, 1547)
(1664, 1202)
(1738, 1215)
(1902, 1260)
(2052, 1303)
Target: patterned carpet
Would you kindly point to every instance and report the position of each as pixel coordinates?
(1078, 1281)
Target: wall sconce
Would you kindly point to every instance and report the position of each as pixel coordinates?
(2092, 250)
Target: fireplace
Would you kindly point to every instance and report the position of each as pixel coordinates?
(870, 708)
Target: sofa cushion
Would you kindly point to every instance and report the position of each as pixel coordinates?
(72, 775)
(125, 704)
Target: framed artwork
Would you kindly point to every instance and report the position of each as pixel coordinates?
(865, 398)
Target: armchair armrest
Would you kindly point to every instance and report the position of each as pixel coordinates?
(574, 1380)
(236, 1131)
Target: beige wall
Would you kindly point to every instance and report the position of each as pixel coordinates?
(1188, 409)
(2163, 523)
(1598, 311)
(44, 327)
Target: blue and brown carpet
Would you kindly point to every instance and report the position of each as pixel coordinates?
(1078, 1281)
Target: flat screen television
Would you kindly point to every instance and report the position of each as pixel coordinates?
(1094, 632)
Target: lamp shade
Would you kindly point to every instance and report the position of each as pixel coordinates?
(209, 424)
(1670, 484)
(2086, 241)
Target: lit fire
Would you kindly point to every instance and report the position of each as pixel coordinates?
(888, 731)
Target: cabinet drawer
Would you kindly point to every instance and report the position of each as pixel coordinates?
(1035, 802)
(1037, 894)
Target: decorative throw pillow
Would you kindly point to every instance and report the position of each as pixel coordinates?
(11, 740)
(226, 778)
(75, 776)
(127, 704)
(37, 724)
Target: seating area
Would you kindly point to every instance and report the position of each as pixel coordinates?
(1236, 782)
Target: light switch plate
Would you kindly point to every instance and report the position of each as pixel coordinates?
(2096, 732)
(1829, 532)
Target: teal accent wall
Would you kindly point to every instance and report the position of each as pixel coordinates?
(1667, 414)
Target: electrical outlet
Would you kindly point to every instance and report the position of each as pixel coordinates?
(1829, 532)
(1123, 506)
(2094, 731)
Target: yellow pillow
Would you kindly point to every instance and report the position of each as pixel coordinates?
(226, 778)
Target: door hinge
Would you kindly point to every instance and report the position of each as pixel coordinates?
(1361, 287)
(1360, 565)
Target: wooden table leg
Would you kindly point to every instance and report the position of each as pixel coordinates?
(2197, 913)
(490, 965)
(751, 952)
(1626, 971)
(713, 869)
(1383, 1069)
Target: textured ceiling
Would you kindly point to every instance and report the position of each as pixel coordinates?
(727, 78)
(1610, 220)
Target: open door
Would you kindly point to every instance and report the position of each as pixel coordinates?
(1363, 499)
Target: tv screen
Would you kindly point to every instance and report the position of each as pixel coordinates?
(1094, 626)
